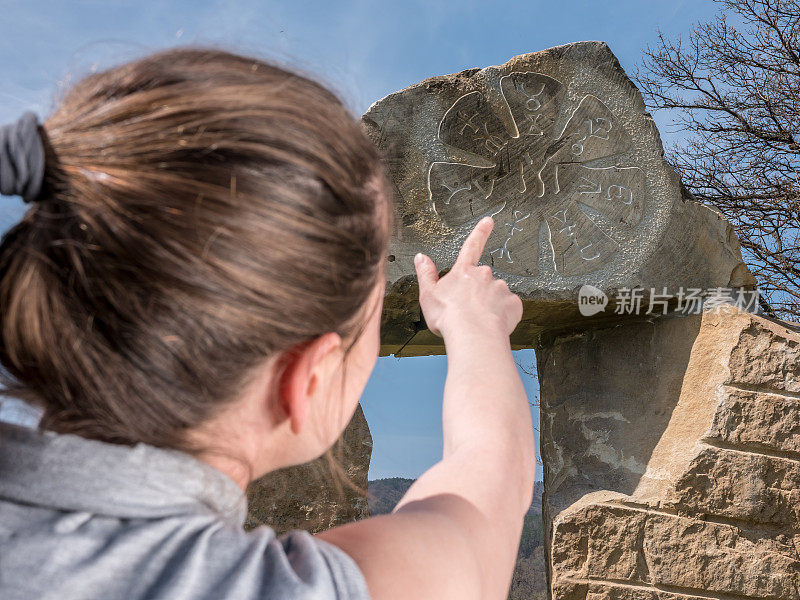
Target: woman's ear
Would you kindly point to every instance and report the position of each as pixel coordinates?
(301, 376)
(292, 385)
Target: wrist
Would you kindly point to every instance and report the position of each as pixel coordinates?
(484, 341)
(488, 326)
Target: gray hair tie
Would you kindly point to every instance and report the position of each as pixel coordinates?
(21, 158)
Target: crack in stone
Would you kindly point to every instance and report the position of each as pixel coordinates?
(751, 448)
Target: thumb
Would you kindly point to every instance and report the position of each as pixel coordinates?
(427, 275)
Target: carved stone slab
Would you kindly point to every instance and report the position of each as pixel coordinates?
(558, 148)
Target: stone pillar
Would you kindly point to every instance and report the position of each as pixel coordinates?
(670, 442)
(308, 497)
(672, 459)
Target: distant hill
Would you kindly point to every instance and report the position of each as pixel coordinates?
(529, 581)
(384, 494)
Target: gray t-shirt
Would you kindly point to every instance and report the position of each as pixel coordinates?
(83, 519)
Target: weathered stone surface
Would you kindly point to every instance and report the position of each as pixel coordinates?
(306, 496)
(644, 547)
(742, 485)
(604, 590)
(766, 361)
(606, 397)
(695, 495)
(557, 146)
(758, 419)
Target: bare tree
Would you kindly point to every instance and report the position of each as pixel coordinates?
(734, 88)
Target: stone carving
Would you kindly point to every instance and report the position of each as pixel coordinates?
(557, 146)
(538, 176)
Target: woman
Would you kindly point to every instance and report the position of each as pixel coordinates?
(194, 300)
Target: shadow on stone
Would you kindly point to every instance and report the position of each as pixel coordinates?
(607, 396)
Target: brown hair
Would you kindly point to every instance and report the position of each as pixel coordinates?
(202, 211)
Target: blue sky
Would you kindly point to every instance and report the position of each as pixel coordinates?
(365, 50)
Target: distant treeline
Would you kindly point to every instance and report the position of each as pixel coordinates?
(384, 494)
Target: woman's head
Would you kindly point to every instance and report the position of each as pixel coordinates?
(203, 215)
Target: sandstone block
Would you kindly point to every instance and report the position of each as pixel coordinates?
(753, 419)
(651, 551)
(767, 359)
(604, 590)
(742, 485)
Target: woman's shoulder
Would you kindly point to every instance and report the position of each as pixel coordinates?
(224, 561)
(196, 556)
(293, 564)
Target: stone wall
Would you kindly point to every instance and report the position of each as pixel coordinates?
(672, 459)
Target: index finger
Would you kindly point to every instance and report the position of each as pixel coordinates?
(472, 248)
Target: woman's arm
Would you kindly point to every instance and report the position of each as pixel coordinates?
(456, 531)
